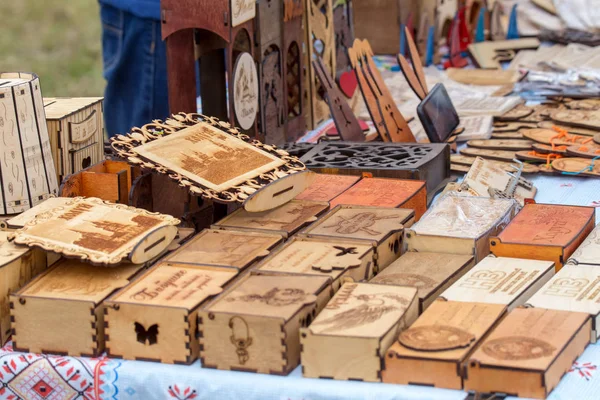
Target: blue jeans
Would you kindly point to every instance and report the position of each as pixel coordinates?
(135, 68)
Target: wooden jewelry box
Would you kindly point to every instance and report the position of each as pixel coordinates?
(156, 317)
(430, 273)
(528, 353)
(349, 338)
(338, 259)
(460, 225)
(255, 325)
(326, 187)
(432, 351)
(500, 280)
(544, 232)
(69, 298)
(284, 220)
(383, 227)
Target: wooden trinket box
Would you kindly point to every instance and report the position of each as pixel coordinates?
(544, 232)
(284, 220)
(76, 130)
(500, 280)
(383, 227)
(434, 348)
(349, 338)
(255, 325)
(327, 187)
(588, 252)
(156, 317)
(62, 310)
(528, 353)
(340, 259)
(460, 225)
(430, 273)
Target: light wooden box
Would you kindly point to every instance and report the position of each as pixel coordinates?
(284, 220)
(460, 225)
(528, 353)
(430, 273)
(588, 252)
(156, 317)
(255, 325)
(349, 338)
(338, 259)
(432, 351)
(545, 232)
(383, 227)
(76, 130)
(326, 187)
(62, 311)
(108, 180)
(501, 280)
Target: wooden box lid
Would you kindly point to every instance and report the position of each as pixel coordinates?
(363, 310)
(547, 225)
(380, 192)
(274, 296)
(8, 250)
(589, 251)
(60, 107)
(327, 187)
(529, 339)
(176, 285)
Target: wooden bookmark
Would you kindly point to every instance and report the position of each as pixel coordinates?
(499, 144)
(500, 155)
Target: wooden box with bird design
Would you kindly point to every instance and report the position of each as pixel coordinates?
(62, 310)
(380, 226)
(340, 259)
(155, 318)
(349, 338)
(255, 325)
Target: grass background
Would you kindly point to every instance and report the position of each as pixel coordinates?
(60, 40)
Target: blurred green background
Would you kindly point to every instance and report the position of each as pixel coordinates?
(60, 40)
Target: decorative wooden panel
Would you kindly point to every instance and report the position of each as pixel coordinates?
(293, 69)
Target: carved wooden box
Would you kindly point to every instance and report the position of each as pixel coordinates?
(255, 325)
(432, 351)
(349, 338)
(155, 318)
(76, 130)
(430, 273)
(62, 311)
(327, 187)
(528, 353)
(460, 225)
(500, 280)
(284, 220)
(382, 227)
(544, 232)
(588, 252)
(339, 259)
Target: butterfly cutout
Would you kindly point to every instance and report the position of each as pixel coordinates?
(144, 335)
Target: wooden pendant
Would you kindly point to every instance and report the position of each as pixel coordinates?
(577, 166)
(584, 119)
(500, 155)
(496, 144)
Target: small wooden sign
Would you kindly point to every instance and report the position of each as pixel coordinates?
(242, 11)
(589, 251)
(359, 323)
(245, 87)
(327, 187)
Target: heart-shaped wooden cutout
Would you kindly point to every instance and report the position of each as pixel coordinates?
(348, 83)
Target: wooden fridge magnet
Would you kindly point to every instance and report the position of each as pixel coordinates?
(326, 187)
(544, 232)
(528, 353)
(255, 325)
(99, 232)
(155, 318)
(431, 352)
(430, 273)
(69, 297)
(215, 161)
(382, 227)
(349, 338)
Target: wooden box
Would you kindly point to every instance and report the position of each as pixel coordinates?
(108, 180)
(589, 251)
(285, 220)
(327, 187)
(76, 130)
(231, 248)
(339, 259)
(433, 349)
(382, 227)
(349, 338)
(62, 311)
(460, 225)
(156, 317)
(255, 325)
(528, 353)
(381, 192)
(430, 273)
(500, 280)
(544, 232)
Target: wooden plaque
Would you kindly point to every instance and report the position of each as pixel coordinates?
(99, 232)
(349, 338)
(589, 251)
(528, 353)
(327, 187)
(25, 217)
(245, 89)
(242, 11)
